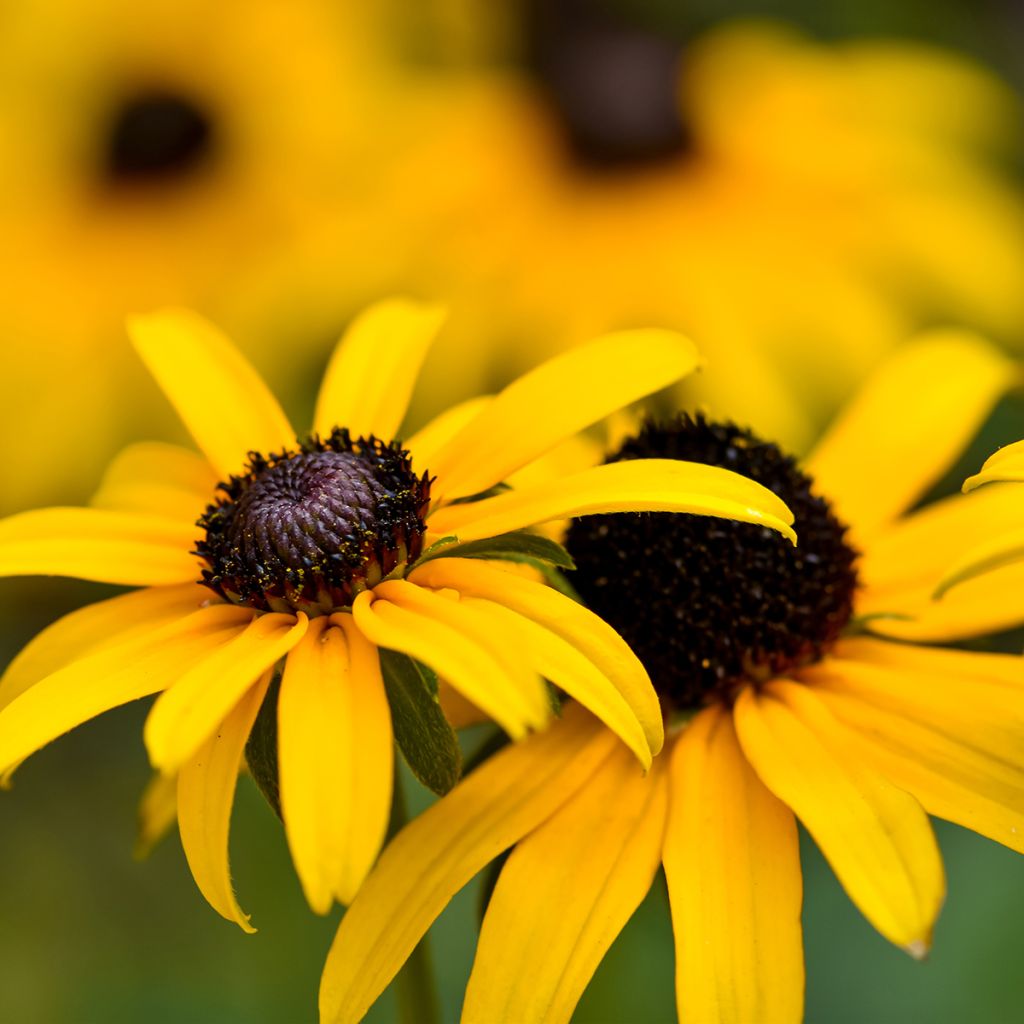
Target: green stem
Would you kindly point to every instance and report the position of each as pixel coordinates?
(415, 987)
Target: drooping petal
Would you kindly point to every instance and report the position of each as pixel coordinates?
(157, 479)
(564, 895)
(907, 425)
(430, 439)
(440, 851)
(580, 629)
(96, 626)
(112, 676)
(206, 793)
(950, 732)
(100, 545)
(188, 712)
(158, 811)
(371, 375)
(732, 863)
(1006, 465)
(640, 485)
(876, 837)
(216, 392)
(334, 738)
(556, 400)
(460, 644)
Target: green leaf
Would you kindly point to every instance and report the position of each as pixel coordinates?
(507, 547)
(861, 624)
(261, 748)
(423, 734)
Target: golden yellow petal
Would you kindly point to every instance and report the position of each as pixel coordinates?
(371, 375)
(158, 812)
(1005, 465)
(429, 440)
(218, 395)
(732, 862)
(564, 895)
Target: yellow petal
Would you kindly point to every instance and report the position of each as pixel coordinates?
(732, 863)
(1002, 550)
(112, 676)
(218, 395)
(96, 544)
(188, 712)
(441, 850)
(429, 440)
(371, 375)
(160, 480)
(564, 895)
(96, 626)
(641, 485)
(876, 837)
(907, 425)
(206, 792)
(460, 644)
(953, 740)
(334, 762)
(158, 811)
(555, 401)
(581, 631)
(1006, 465)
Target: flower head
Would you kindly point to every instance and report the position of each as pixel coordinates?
(304, 607)
(805, 711)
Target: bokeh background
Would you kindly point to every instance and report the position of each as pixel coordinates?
(799, 194)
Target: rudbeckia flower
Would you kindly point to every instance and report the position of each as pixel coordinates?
(303, 559)
(790, 692)
(1003, 552)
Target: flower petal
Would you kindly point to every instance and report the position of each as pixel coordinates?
(564, 895)
(371, 375)
(578, 627)
(907, 426)
(94, 627)
(216, 392)
(158, 811)
(429, 440)
(640, 485)
(206, 792)
(876, 837)
(188, 712)
(112, 676)
(1002, 550)
(96, 544)
(468, 648)
(1005, 465)
(732, 863)
(556, 400)
(334, 761)
(438, 853)
(953, 740)
(158, 480)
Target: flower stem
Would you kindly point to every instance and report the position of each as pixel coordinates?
(415, 986)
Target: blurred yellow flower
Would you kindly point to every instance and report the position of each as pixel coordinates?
(775, 712)
(303, 557)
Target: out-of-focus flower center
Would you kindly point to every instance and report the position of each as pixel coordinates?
(709, 604)
(308, 530)
(155, 136)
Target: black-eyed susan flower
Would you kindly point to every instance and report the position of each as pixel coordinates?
(1003, 551)
(785, 697)
(302, 559)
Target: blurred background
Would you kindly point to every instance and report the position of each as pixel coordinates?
(799, 186)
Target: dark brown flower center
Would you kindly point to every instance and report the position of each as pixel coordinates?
(706, 603)
(308, 530)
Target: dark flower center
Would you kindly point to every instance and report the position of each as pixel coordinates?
(308, 530)
(613, 85)
(706, 603)
(155, 136)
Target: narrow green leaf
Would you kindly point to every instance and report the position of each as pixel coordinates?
(423, 734)
(261, 748)
(507, 547)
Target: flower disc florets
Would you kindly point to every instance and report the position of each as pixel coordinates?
(307, 530)
(708, 604)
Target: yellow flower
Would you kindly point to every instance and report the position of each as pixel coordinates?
(1002, 549)
(776, 711)
(304, 553)
(824, 201)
